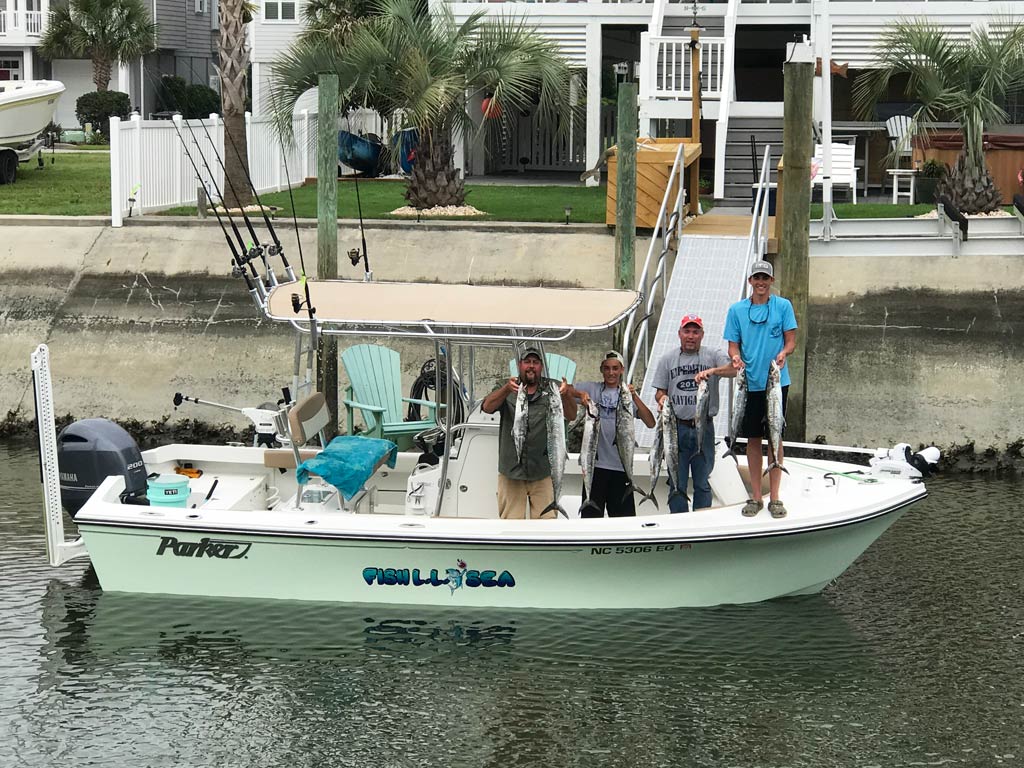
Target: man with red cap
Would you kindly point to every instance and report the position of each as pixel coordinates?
(674, 381)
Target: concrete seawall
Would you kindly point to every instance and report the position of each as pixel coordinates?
(922, 349)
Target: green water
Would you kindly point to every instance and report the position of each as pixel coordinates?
(914, 658)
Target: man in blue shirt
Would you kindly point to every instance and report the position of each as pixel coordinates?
(760, 329)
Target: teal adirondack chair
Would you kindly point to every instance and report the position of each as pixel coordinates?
(556, 367)
(375, 389)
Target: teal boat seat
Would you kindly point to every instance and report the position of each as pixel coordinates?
(556, 367)
(375, 390)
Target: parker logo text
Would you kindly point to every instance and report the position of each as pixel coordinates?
(205, 547)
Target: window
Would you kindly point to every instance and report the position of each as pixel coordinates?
(279, 10)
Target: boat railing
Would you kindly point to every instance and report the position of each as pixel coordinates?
(669, 225)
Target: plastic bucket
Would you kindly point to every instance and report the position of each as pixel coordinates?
(168, 491)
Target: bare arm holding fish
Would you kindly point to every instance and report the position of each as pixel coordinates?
(568, 395)
(642, 411)
(726, 371)
(494, 400)
(787, 349)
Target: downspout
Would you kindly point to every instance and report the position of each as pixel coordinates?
(726, 99)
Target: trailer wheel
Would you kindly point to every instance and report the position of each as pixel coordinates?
(8, 167)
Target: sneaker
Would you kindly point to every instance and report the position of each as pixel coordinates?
(776, 508)
(752, 507)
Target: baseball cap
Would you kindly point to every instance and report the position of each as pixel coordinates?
(762, 267)
(611, 354)
(691, 319)
(527, 351)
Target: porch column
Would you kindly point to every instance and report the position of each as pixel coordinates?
(27, 71)
(257, 89)
(593, 97)
(476, 142)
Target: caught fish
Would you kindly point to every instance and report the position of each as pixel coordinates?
(520, 423)
(700, 418)
(657, 454)
(556, 446)
(670, 443)
(588, 448)
(739, 407)
(625, 432)
(775, 417)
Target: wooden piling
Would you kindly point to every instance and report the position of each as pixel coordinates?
(327, 233)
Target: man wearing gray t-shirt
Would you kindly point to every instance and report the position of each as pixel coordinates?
(676, 380)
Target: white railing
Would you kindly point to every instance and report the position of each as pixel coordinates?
(34, 23)
(29, 23)
(150, 168)
(670, 226)
(666, 68)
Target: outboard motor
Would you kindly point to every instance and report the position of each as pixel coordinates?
(899, 461)
(91, 450)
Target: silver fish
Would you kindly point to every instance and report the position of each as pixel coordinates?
(775, 417)
(625, 431)
(521, 421)
(670, 441)
(555, 445)
(739, 407)
(588, 448)
(657, 454)
(700, 417)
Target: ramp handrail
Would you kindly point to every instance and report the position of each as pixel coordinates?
(758, 242)
(649, 285)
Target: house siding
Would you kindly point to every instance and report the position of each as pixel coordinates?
(170, 20)
(272, 38)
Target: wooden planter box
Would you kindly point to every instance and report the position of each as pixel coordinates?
(654, 160)
(1004, 156)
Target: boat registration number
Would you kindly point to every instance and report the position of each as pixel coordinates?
(637, 549)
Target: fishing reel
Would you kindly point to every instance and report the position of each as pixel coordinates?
(354, 256)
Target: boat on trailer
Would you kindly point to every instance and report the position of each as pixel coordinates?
(417, 533)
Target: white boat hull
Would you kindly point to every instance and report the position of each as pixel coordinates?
(648, 573)
(250, 541)
(26, 108)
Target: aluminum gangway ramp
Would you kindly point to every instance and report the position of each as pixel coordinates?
(708, 276)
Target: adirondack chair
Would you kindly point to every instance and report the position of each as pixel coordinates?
(375, 389)
(900, 129)
(555, 367)
(844, 172)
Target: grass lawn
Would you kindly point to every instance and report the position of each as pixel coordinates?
(501, 203)
(872, 210)
(74, 185)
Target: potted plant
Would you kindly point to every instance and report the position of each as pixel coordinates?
(929, 175)
(707, 186)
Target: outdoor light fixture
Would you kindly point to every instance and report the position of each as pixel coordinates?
(568, 212)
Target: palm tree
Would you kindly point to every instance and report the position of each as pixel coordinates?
(333, 19)
(233, 68)
(963, 80)
(106, 31)
(416, 69)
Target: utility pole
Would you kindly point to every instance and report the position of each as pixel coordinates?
(695, 117)
(327, 234)
(794, 245)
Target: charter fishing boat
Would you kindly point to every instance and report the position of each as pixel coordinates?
(26, 108)
(241, 524)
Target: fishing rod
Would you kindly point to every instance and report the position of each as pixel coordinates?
(237, 263)
(257, 249)
(367, 272)
(277, 249)
(271, 250)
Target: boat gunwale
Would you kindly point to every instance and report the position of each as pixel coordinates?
(401, 537)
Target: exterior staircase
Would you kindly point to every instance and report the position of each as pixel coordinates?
(740, 172)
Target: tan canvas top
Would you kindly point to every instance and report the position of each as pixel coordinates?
(419, 305)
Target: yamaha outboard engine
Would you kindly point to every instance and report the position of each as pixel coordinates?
(91, 450)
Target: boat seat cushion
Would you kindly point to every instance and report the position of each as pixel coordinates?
(349, 461)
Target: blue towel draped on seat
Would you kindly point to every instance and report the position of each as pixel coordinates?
(348, 461)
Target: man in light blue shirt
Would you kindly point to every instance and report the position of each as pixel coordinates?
(760, 329)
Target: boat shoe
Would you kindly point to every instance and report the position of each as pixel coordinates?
(776, 508)
(752, 507)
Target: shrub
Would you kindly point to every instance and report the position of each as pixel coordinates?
(191, 100)
(99, 106)
(933, 169)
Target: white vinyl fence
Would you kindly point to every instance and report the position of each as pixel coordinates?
(153, 162)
